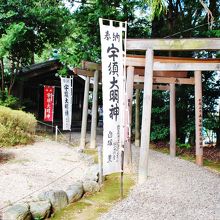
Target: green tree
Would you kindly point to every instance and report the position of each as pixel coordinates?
(26, 28)
(168, 18)
(189, 19)
(84, 42)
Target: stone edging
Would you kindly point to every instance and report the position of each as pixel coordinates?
(49, 202)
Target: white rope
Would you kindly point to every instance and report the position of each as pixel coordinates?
(64, 137)
(39, 189)
(45, 124)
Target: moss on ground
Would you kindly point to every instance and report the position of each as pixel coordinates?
(91, 206)
(212, 165)
(92, 152)
(163, 150)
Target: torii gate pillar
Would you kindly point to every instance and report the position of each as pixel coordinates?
(146, 117)
(172, 120)
(129, 85)
(198, 116)
(137, 119)
(85, 113)
(94, 110)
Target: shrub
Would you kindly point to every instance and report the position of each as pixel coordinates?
(9, 100)
(16, 127)
(182, 145)
(159, 132)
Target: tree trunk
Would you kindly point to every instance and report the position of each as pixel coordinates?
(213, 8)
(218, 138)
(14, 72)
(2, 75)
(32, 58)
(192, 138)
(218, 130)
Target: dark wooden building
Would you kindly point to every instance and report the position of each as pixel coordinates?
(29, 88)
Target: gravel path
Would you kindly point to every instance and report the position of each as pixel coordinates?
(32, 167)
(175, 190)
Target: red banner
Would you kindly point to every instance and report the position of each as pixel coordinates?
(48, 102)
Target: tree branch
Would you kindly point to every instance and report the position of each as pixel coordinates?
(2, 74)
(209, 14)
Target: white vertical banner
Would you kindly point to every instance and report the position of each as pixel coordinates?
(113, 87)
(66, 91)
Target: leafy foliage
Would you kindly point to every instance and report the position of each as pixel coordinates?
(10, 101)
(84, 42)
(188, 19)
(180, 145)
(31, 28)
(16, 127)
(14, 34)
(26, 29)
(160, 119)
(156, 7)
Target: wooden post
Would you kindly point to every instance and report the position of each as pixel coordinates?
(146, 117)
(172, 120)
(56, 132)
(137, 119)
(122, 175)
(94, 110)
(100, 159)
(72, 81)
(85, 113)
(129, 85)
(198, 116)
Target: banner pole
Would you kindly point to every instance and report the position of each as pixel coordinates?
(100, 159)
(71, 107)
(56, 132)
(70, 136)
(123, 107)
(122, 173)
(53, 107)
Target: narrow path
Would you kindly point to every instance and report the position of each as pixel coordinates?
(175, 190)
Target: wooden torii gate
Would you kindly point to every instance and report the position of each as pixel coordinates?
(151, 65)
(91, 70)
(152, 73)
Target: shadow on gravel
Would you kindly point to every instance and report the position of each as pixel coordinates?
(5, 156)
